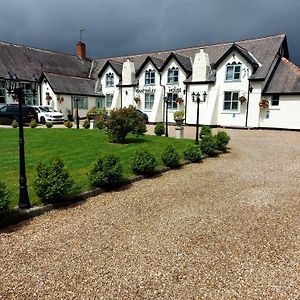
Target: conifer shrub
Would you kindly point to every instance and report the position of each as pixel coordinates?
(205, 131)
(193, 153)
(86, 124)
(4, 197)
(222, 140)
(122, 121)
(14, 124)
(49, 125)
(170, 157)
(159, 129)
(53, 180)
(68, 124)
(106, 172)
(209, 145)
(33, 123)
(143, 162)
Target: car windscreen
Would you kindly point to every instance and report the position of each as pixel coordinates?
(47, 109)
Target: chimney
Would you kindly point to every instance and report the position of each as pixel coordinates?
(128, 72)
(201, 66)
(80, 50)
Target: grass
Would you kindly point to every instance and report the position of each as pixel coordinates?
(78, 149)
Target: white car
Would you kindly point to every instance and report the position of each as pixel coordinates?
(48, 114)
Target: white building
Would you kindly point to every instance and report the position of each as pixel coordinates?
(249, 83)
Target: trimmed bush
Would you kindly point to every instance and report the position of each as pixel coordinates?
(14, 124)
(209, 145)
(205, 132)
(49, 125)
(68, 124)
(53, 181)
(171, 157)
(122, 121)
(143, 162)
(222, 140)
(33, 123)
(193, 153)
(106, 172)
(4, 197)
(86, 124)
(159, 129)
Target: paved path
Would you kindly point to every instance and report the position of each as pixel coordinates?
(228, 228)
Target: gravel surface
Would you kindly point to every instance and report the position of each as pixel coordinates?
(227, 228)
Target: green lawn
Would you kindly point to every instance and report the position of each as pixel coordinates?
(78, 149)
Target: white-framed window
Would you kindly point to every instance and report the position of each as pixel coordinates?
(100, 102)
(149, 100)
(171, 97)
(2, 93)
(29, 99)
(231, 101)
(150, 77)
(173, 75)
(109, 79)
(82, 102)
(233, 72)
(109, 100)
(275, 101)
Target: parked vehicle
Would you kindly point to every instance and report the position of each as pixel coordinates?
(10, 112)
(48, 114)
(145, 116)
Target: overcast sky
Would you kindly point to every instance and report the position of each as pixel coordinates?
(122, 27)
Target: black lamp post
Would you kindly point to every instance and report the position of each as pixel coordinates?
(166, 100)
(197, 98)
(77, 114)
(13, 86)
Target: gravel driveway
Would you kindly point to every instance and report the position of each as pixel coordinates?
(227, 228)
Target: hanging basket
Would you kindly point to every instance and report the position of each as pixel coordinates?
(264, 103)
(179, 100)
(242, 99)
(137, 99)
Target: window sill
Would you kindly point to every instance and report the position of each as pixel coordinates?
(173, 83)
(234, 80)
(274, 108)
(228, 112)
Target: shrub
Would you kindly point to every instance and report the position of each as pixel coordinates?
(100, 122)
(68, 124)
(106, 172)
(159, 129)
(193, 153)
(86, 124)
(143, 162)
(49, 125)
(222, 140)
(123, 121)
(4, 197)
(209, 145)
(14, 124)
(205, 131)
(53, 181)
(33, 123)
(171, 157)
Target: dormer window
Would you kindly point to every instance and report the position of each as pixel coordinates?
(150, 77)
(233, 72)
(173, 75)
(109, 79)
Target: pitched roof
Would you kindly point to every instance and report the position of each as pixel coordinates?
(285, 79)
(264, 50)
(26, 61)
(71, 85)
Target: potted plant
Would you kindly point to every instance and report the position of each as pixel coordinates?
(242, 99)
(92, 114)
(264, 103)
(179, 117)
(60, 99)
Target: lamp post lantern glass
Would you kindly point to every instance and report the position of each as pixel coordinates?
(196, 97)
(12, 84)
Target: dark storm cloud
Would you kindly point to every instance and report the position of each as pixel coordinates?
(119, 27)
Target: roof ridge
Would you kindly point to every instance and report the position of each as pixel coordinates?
(63, 75)
(293, 67)
(191, 47)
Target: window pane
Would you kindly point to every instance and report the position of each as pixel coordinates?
(227, 96)
(234, 105)
(235, 96)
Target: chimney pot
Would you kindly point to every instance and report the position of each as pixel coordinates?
(80, 50)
